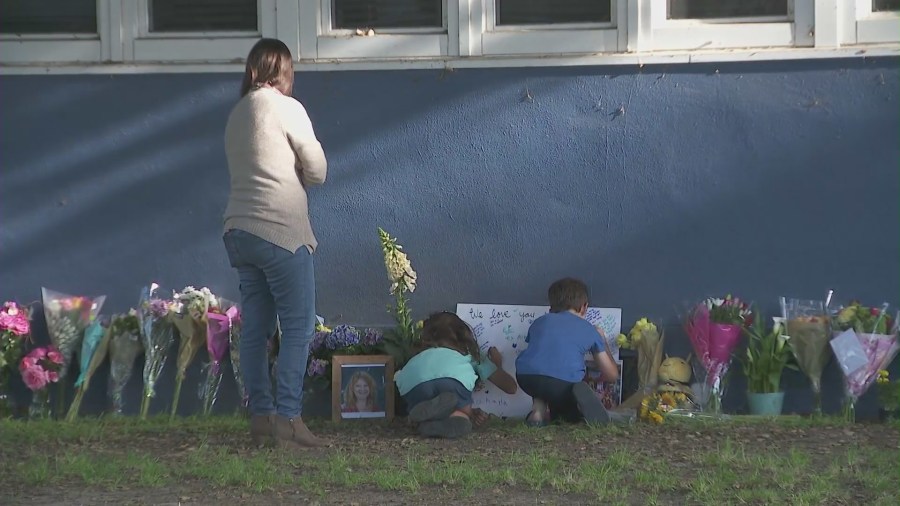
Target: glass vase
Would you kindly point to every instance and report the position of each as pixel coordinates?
(40, 405)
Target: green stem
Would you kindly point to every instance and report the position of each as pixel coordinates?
(145, 404)
(178, 380)
(60, 398)
(76, 403)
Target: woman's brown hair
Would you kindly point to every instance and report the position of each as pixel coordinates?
(269, 63)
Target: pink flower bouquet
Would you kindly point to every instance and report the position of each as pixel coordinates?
(15, 329)
(40, 368)
(714, 328)
(221, 317)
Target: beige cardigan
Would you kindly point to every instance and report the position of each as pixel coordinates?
(273, 155)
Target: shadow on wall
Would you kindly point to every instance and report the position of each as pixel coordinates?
(655, 186)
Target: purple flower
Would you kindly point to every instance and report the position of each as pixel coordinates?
(318, 341)
(342, 336)
(159, 308)
(316, 367)
(372, 337)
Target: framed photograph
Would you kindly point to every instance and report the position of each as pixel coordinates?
(610, 393)
(362, 386)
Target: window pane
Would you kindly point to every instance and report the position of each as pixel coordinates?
(545, 12)
(203, 16)
(352, 14)
(885, 5)
(48, 16)
(711, 9)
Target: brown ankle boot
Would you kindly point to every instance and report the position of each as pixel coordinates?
(294, 432)
(262, 430)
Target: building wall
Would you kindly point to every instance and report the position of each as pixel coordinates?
(656, 185)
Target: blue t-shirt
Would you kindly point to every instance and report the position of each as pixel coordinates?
(557, 344)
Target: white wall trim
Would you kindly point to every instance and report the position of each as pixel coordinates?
(621, 59)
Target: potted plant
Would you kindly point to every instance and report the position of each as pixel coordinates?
(767, 354)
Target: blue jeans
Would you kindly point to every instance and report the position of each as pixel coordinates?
(432, 388)
(274, 281)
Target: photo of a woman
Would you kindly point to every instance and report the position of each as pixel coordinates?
(362, 396)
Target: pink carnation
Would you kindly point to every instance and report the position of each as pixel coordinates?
(38, 353)
(53, 376)
(55, 356)
(27, 363)
(35, 378)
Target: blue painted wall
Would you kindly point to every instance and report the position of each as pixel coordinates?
(655, 185)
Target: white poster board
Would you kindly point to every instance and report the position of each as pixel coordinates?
(506, 327)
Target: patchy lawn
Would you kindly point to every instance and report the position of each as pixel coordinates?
(209, 461)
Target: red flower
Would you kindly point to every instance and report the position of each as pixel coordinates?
(874, 311)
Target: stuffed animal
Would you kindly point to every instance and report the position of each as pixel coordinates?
(675, 375)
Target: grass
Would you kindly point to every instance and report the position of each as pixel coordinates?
(688, 462)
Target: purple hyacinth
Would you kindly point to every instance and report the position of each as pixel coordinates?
(342, 336)
(316, 367)
(318, 341)
(372, 337)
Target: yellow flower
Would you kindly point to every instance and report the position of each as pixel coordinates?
(667, 399)
(622, 341)
(656, 417)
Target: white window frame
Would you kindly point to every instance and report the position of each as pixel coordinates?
(863, 26)
(657, 33)
(65, 47)
(319, 40)
(142, 45)
(489, 39)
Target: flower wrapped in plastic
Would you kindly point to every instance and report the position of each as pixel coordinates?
(222, 315)
(67, 318)
(645, 338)
(861, 355)
(93, 353)
(714, 327)
(157, 336)
(39, 368)
(15, 331)
(189, 317)
(124, 347)
(234, 351)
(657, 406)
(807, 326)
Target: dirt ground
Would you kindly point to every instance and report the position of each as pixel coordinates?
(677, 442)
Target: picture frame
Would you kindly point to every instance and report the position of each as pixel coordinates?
(362, 387)
(609, 392)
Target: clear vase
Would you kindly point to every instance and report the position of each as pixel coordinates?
(40, 405)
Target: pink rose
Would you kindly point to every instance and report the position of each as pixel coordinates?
(55, 356)
(53, 376)
(35, 378)
(27, 363)
(38, 353)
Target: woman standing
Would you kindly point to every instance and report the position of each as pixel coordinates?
(273, 156)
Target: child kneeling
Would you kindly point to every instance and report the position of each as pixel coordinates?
(437, 382)
(551, 369)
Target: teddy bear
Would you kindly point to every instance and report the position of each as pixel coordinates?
(674, 375)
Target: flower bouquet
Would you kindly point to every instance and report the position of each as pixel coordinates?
(234, 351)
(862, 350)
(189, 317)
(807, 324)
(888, 395)
(39, 368)
(124, 346)
(93, 352)
(400, 342)
(645, 338)
(655, 407)
(342, 340)
(15, 329)
(157, 336)
(221, 317)
(67, 318)
(714, 328)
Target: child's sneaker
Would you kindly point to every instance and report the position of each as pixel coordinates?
(450, 428)
(433, 409)
(590, 406)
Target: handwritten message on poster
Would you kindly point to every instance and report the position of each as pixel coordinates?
(506, 327)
